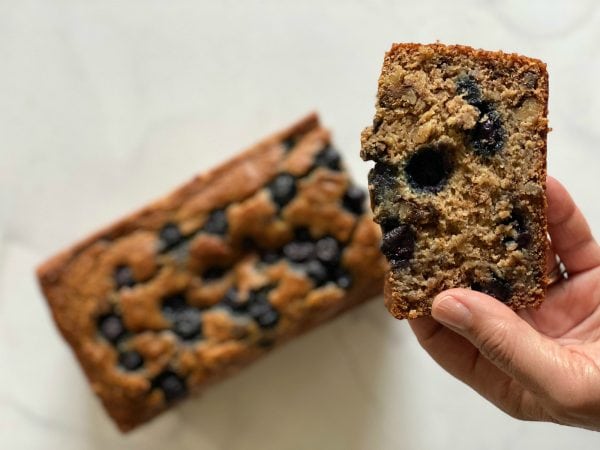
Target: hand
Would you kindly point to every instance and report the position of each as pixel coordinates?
(534, 364)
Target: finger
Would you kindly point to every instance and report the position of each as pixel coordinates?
(567, 305)
(571, 236)
(502, 337)
(461, 359)
(457, 355)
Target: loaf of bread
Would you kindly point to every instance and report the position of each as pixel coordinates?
(200, 283)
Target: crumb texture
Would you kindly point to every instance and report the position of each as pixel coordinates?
(458, 186)
(198, 284)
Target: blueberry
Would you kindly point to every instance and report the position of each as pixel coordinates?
(111, 327)
(216, 223)
(232, 301)
(467, 86)
(488, 136)
(289, 143)
(171, 384)
(389, 223)
(170, 235)
(354, 200)
(317, 272)
(213, 273)
(398, 245)
(124, 277)
(517, 221)
(327, 250)
(302, 234)
(496, 287)
(249, 243)
(174, 305)
(283, 189)
(261, 310)
(382, 178)
(299, 251)
(268, 319)
(428, 169)
(187, 325)
(328, 157)
(522, 235)
(270, 256)
(130, 360)
(524, 239)
(259, 296)
(343, 279)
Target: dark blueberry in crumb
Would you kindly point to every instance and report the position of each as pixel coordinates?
(170, 235)
(289, 143)
(429, 168)
(343, 279)
(382, 178)
(213, 273)
(261, 310)
(398, 245)
(327, 250)
(468, 87)
(171, 384)
(524, 239)
(264, 314)
(124, 277)
(248, 243)
(268, 319)
(174, 305)
(518, 223)
(354, 200)
(299, 251)
(389, 223)
(216, 223)
(283, 189)
(496, 287)
(517, 220)
(488, 136)
(302, 234)
(187, 325)
(317, 272)
(130, 360)
(232, 301)
(270, 256)
(328, 157)
(111, 327)
(259, 297)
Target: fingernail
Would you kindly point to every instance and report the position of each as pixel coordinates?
(450, 311)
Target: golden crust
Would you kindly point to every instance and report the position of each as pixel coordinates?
(78, 282)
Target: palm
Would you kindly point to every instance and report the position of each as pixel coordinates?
(568, 323)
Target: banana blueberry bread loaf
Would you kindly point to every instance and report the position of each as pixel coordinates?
(458, 186)
(200, 283)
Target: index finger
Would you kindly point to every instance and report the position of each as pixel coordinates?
(570, 233)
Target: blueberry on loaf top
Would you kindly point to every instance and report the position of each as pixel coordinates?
(458, 186)
(198, 284)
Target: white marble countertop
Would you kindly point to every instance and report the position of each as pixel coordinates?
(106, 105)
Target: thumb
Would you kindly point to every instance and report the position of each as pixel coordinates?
(501, 336)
